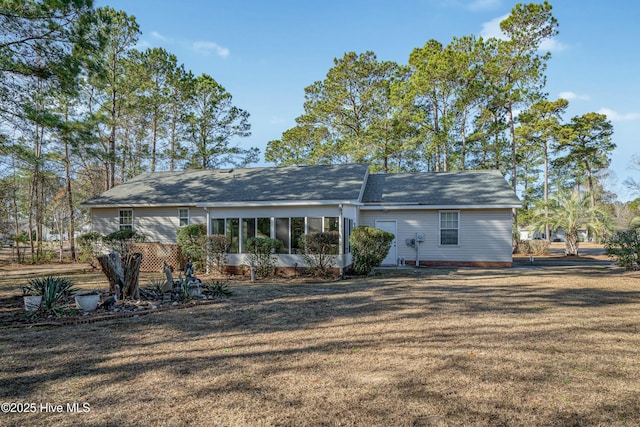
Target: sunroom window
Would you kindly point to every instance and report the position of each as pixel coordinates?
(282, 233)
(248, 232)
(297, 231)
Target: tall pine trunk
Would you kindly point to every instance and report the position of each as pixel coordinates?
(67, 173)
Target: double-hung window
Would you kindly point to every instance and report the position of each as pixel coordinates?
(449, 227)
(125, 219)
(183, 215)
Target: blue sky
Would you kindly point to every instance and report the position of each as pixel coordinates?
(266, 52)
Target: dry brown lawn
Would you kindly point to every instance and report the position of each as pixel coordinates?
(554, 346)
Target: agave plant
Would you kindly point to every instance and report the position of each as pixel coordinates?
(52, 288)
(218, 289)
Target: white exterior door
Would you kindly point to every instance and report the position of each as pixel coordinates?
(390, 226)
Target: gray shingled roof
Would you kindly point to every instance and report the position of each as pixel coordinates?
(468, 188)
(295, 183)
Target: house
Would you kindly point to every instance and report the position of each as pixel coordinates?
(557, 235)
(453, 218)
(459, 218)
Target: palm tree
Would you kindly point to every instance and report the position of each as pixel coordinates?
(571, 211)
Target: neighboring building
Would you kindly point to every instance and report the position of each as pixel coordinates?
(453, 218)
(557, 235)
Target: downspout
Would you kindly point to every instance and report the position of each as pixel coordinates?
(341, 241)
(206, 261)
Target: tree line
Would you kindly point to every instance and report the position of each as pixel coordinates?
(83, 110)
(473, 103)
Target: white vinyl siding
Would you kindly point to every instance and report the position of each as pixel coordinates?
(104, 221)
(197, 216)
(484, 235)
(156, 224)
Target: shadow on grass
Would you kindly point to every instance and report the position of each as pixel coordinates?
(238, 335)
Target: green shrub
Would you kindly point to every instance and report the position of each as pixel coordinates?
(369, 247)
(192, 240)
(89, 247)
(319, 251)
(120, 240)
(217, 249)
(624, 246)
(121, 235)
(261, 254)
(52, 288)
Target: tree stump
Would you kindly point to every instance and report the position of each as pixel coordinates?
(112, 268)
(132, 264)
(123, 272)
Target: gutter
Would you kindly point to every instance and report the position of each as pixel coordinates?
(240, 204)
(277, 203)
(418, 206)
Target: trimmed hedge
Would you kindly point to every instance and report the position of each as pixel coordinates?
(369, 247)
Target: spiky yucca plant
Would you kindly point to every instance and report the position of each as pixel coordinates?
(52, 288)
(218, 289)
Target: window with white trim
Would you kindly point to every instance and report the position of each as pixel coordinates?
(314, 225)
(297, 231)
(229, 227)
(282, 234)
(125, 219)
(263, 227)
(217, 226)
(233, 234)
(183, 215)
(248, 227)
(449, 227)
(331, 223)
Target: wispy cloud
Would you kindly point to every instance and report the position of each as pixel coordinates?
(142, 45)
(615, 116)
(483, 4)
(552, 45)
(276, 120)
(157, 35)
(491, 29)
(472, 5)
(570, 96)
(206, 48)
